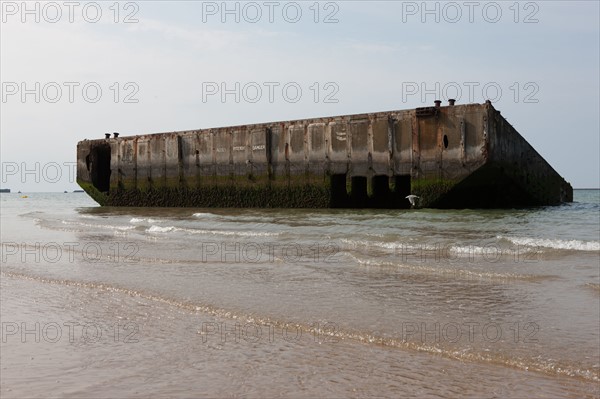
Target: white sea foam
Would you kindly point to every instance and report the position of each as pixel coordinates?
(521, 244)
(143, 220)
(97, 226)
(489, 251)
(84, 216)
(168, 229)
(232, 233)
(445, 270)
(393, 245)
(204, 215)
(160, 229)
(574, 245)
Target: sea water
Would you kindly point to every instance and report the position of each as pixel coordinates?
(181, 302)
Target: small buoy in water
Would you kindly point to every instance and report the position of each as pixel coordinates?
(24, 196)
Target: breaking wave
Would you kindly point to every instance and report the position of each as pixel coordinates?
(571, 245)
(168, 229)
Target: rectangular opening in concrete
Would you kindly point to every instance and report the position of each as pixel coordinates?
(380, 197)
(339, 196)
(400, 189)
(358, 192)
(100, 167)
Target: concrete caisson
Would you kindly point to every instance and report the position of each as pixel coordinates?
(455, 156)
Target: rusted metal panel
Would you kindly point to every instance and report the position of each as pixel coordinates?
(424, 112)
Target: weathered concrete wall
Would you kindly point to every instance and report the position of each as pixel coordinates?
(519, 161)
(442, 154)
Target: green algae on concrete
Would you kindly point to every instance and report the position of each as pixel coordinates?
(430, 190)
(308, 196)
(100, 197)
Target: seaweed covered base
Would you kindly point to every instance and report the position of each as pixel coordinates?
(224, 197)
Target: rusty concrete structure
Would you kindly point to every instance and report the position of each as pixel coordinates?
(455, 156)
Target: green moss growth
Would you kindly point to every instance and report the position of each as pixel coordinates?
(308, 196)
(99, 197)
(430, 190)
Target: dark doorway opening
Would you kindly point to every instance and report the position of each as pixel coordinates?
(339, 197)
(381, 192)
(358, 192)
(385, 192)
(100, 167)
(401, 188)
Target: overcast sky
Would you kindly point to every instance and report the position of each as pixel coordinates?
(72, 71)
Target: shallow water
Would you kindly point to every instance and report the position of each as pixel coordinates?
(238, 302)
